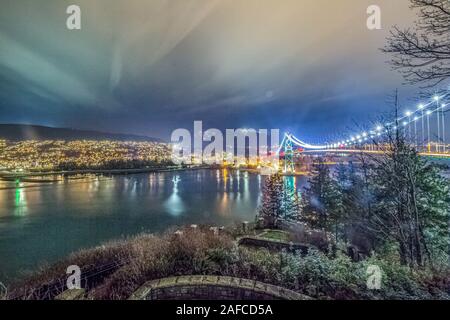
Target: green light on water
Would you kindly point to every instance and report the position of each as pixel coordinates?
(20, 203)
(18, 197)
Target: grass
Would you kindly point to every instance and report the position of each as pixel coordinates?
(277, 235)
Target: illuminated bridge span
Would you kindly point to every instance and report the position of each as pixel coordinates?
(425, 127)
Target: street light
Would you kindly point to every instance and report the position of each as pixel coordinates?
(415, 128)
(408, 114)
(421, 107)
(443, 127)
(429, 112)
(436, 98)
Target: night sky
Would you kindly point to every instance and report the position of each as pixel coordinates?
(151, 66)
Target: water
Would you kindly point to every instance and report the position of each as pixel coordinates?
(45, 222)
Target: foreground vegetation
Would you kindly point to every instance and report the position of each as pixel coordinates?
(199, 251)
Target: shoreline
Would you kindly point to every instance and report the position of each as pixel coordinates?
(27, 177)
(11, 177)
(7, 176)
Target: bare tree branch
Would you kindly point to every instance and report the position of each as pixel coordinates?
(422, 54)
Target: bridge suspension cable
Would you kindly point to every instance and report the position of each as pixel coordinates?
(408, 122)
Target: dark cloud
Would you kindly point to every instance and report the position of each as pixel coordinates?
(149, 67)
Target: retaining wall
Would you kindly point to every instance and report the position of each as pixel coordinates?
(212, 288)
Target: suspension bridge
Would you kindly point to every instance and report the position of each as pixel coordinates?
(425, 127)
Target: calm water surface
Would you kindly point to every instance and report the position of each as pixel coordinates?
(46, 221)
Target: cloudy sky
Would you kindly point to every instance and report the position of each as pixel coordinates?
(151, 66)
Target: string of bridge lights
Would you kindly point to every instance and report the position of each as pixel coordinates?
(410, 117)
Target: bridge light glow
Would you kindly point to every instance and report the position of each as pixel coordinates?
(410, 117)
(300, 143)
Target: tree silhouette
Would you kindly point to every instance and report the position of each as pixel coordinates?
(422, 53)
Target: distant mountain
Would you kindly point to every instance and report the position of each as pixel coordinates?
(17, 132)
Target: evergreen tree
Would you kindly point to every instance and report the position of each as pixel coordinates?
(412, 203)
(279, 201)
(271, 208)
(356, 205)
(323, 201)
(342, 176)
(291, 202)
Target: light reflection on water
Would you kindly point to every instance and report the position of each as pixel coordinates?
(44, 222)
(174, 205)
(20, 203)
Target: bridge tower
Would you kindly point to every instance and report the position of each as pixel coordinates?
(289, 166)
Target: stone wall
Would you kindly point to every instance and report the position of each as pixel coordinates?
(212, 288)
